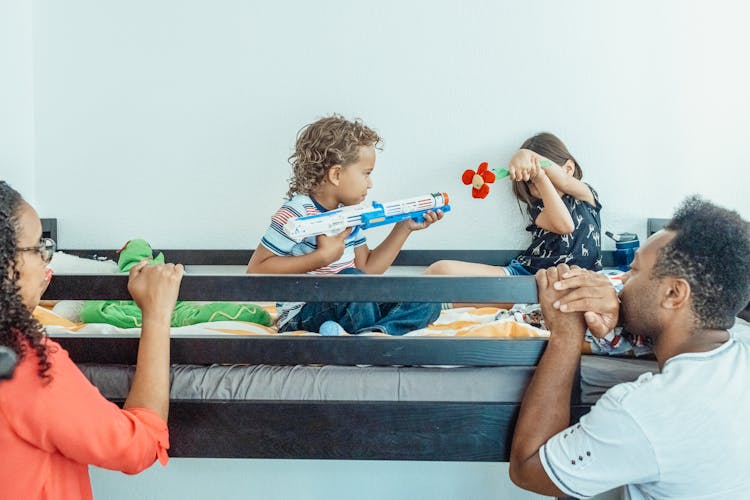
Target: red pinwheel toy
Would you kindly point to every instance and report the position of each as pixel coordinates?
(479, 180)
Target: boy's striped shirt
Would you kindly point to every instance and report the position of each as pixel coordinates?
(276, 241)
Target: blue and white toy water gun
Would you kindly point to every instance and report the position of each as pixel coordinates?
(365, 216)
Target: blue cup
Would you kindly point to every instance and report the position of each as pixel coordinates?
(626, 244)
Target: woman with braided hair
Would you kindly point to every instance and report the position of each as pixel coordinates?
(53, 422)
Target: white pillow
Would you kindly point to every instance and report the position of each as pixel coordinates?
(69, 309)
(64, 263)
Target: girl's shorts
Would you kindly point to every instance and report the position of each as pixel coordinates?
(516, 269)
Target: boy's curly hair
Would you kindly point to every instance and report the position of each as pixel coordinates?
(330, 141)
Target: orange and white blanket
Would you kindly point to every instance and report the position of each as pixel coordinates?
(458, 322)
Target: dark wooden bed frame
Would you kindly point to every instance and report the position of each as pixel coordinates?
(330, 429)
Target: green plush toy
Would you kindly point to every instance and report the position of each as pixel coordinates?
(126, 314)
(135, 251)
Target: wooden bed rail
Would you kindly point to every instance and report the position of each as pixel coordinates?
(309, 288)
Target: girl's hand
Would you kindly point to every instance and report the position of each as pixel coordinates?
(536, 171)
(429, 219)
(523, 166)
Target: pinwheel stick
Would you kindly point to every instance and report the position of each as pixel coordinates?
(502, 173)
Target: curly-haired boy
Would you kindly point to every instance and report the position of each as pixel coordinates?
(332, 163)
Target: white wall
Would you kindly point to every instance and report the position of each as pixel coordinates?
(17, 96)
(173, 120)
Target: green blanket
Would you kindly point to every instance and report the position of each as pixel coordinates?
(126, 314)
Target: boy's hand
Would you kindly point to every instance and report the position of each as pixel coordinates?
(429, 219)
(331, 248)
(154, 288)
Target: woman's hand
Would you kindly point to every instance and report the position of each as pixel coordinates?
(155, 287)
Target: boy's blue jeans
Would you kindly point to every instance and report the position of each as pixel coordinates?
(356, 317)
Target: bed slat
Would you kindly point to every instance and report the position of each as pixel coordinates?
(309, 288)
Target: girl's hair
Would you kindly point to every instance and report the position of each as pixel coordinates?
(549, 146)
(16, 322)
(330, 141)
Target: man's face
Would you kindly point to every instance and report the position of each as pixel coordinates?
(641, 293)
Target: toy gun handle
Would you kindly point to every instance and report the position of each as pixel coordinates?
(417, 216)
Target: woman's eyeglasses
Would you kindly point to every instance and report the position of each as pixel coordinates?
(46, 249)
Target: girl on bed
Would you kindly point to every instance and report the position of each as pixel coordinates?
(53, 422)
(564, 211)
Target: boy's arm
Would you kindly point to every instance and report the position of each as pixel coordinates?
(264, 261)
(378, 260)
(555, 217)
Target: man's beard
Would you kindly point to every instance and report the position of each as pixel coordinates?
(639, 317)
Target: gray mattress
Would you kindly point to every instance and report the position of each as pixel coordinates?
(365, 383)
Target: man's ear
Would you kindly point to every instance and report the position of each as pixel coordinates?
(677, 293)
(334, 174)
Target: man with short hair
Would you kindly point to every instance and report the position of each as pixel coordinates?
(682, 433)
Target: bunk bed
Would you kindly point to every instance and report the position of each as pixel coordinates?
(315, 397)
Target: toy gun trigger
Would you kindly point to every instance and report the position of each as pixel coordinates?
(339, 228)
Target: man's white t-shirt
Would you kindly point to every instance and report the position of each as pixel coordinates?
(683, 433)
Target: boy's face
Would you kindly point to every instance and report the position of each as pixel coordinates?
(354, 179)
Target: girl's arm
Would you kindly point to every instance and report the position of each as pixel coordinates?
(569, 184)
(555, 217)
(525, 164)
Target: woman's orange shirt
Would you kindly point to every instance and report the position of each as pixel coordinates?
(50, 433)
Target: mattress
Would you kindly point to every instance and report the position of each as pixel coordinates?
(365, 383)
